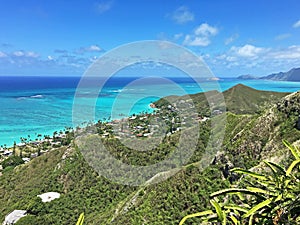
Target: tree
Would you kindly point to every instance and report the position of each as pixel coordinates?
(14, 149)
(12, 161)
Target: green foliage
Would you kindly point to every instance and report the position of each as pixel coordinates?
(239, 99)
(12, 161)
(36, 207)
(78, 184)
(27, 220)
(266, 198)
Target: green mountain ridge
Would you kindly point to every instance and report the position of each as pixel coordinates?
(239, 99)
(254, 131)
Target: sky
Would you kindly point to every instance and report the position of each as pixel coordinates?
(233, 37)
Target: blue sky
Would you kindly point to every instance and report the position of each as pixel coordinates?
(234, 37)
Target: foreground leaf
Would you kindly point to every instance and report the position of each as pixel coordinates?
(204, 213)
(258, 206)
(80, 219)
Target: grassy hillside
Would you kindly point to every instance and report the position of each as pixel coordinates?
(239, 99)
(248, 138)
(242, 99)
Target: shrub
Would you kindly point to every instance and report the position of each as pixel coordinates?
(262, 198)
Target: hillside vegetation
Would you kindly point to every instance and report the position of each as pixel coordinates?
(254, 131)
(239, 99)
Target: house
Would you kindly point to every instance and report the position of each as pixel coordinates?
(14, 216)
(57, 143)
(61, 136)
(204, 119)
(7, 153)
(21, 144)
(34, 155)
(147, 134)
(217, 112)
(26, 160)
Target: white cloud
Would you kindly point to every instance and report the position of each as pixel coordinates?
(292, 52)
(227, 58)
(2, 55)
(258, 53)
(247, 50)
(231, 39)
(32, 54)
(18, 53)
(92, 48)
(182, 15)
(178, 36)
(30, 63)
(282, 37)
(206, 30)
(102, 7)
(29, 54)
(256, 60)
(297, 24)
(201, 36)
(196, 41)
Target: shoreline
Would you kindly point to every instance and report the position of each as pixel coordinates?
(9, 137)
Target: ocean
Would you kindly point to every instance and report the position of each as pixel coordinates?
(42, 105)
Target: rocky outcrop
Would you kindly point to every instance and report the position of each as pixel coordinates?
(290, 104)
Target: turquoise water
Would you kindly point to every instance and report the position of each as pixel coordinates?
(42, 105)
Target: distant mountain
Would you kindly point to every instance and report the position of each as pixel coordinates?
(247, 77)
(292, 75)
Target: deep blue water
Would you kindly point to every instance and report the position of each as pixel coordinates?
(42, 105)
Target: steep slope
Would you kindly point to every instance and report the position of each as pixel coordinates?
(262, 135)
(248, 139)
(64, 171)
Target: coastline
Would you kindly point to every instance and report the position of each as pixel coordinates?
(53, 112)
